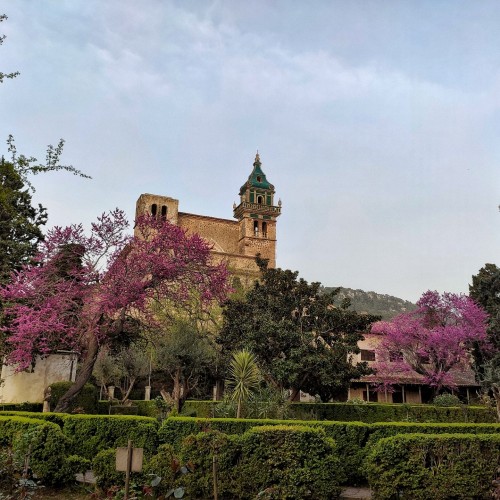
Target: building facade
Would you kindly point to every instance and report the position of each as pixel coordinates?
(236, 242)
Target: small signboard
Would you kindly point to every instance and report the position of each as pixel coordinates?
(136, 462)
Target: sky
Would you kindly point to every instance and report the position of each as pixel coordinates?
(378, 122)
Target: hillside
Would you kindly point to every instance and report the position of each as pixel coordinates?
(383, 305)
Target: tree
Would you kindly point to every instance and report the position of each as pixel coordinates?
(3, 17)
(302, 339)
(20, 222)
(485, 291)
(438, 336)
(244, 377)
(186, 355)
(88, 292)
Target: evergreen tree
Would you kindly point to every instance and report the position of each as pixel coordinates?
(302, 339)
(20, 222)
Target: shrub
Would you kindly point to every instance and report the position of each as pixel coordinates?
(87, 399)
(446, 399)
(26, 406)
(91, 434)
(164, 465)
(43, 441)
(285, 462)
(364, 412)
(419, 467)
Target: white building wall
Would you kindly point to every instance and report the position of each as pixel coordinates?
(30, 386)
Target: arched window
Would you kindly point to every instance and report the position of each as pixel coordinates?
(260, 200)
(164, 212)
(264, 229)
(154, 209)
(256, 227)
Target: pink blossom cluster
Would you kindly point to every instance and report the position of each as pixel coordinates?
(79, 284)
(431, 340)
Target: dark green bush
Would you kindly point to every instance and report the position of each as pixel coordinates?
(285, 462)
(165, 465)
(104, 468)
(389, 429)
(86, 400)
(446, 466)
(91, 434)
(350, 437)
(43, 441)
(446, 399)
(369, 412)
(32, 407)
(381, 412)
(123, 410)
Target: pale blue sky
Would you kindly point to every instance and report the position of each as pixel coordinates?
(378, 122)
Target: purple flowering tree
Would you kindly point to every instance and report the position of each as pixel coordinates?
(85, 292)
(438, 336)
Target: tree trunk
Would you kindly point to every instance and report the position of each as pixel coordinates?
(177, 390)
(293, 394)
(82, 378)
(130, 387)
(238, 409)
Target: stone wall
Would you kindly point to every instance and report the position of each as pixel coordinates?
(30, 386)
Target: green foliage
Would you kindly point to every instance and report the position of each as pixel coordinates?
(386, 412)
(77, 464)
(123, 410)
(244, 377)
(166, 465)
(104, 468)
(93, 433)
(349, 437)
(86, 400)
(309, 336)
(285, 462)
(419, 467)
(26, 406)
(43, 441)
(360, 412)
(446, 399)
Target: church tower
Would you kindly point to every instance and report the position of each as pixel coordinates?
(257, 216)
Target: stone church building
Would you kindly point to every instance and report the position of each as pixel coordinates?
(235, 241)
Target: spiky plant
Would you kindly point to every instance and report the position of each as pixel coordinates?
(244, 377)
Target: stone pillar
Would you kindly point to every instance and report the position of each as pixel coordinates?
(111, 392)
(147, 394)
(46, 407)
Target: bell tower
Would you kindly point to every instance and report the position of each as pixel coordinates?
(257, 216)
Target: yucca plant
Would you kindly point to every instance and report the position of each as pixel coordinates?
(244, 377)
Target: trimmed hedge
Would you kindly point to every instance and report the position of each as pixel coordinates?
(86, 400)
(390, 429)
(91, 434)
(45, 443)
(369, 412)
(282, 461)
(419, 467)
(94, 433)
(34, 407)
(350, 437)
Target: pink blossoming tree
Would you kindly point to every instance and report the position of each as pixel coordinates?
(438, 336)
(85, 292)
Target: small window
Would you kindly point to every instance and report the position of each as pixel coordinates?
(260, 200)
(154, 209)
(367, 355)
(264, 229)
(164, 212)
(256, 227)
(259, 178)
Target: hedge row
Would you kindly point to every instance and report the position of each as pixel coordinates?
(353, 439)
(369, 412)
(89, 434)
(419, 467)
(44, 443)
